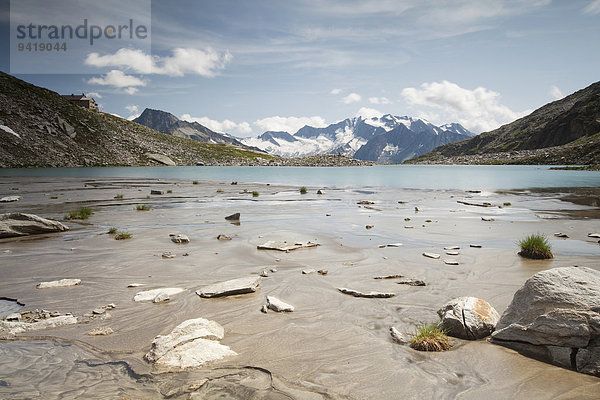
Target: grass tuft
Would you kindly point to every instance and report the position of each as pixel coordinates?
(507, 203)
(169, 191)
(430, 337)
(535, 246)
(194, 182)
(119, 196)
(112, 230)
(80, 213)
(302, 190)
(255, 194)
(119, 235)
(142, 207)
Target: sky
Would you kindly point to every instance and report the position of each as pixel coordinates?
(245, 67)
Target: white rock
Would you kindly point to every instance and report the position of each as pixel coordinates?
(452, 253)
(594, 235)
(168, 254)
(487, 219)
(21, 224)
(264, 273)
(135, 284)
(450, 262)
(397, 336)
(180, 239)
(231, 287)
(432, 255)
(372, 294)
(468, 318)
(101, 331)
(263, 309)
(477, 246)
(394, 245)
(309, 271)
(561, 235)
(191, 344)
(59, 283)
(9, 199)
(150, 295)
(277, 305)
(13, 328)
(98, 311)
(285, 246)
(452, 248)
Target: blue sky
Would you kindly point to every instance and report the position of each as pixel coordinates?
(245, 67)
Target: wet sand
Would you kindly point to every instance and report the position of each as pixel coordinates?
(333, 346)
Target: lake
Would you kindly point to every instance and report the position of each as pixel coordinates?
(463, 177)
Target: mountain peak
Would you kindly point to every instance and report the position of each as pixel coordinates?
(156, 119)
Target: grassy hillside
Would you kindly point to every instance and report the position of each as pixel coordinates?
(54, 133)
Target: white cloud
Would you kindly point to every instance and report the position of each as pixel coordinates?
(367, 113)
(133, 110)
(335, 91)
(120, 80)
(289, 124)
(131, 90)
(351, 98)
(95, 95)
(556, 93)
(477, 110)
(242, 128)
(593, 8)
(379, 100)
(205, 62)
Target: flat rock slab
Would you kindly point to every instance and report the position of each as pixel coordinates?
(450, 262)
(398, 337)
(12, 328)
(59, 283)
(21, 224)
(594, 235)
(190, 344)
(150, 295)
(233, 217)
(161, 159)
(487, 219)
(285, 246)
(452, 248)
(468, 318)
(9, 199)
(475, 246)
(452, 253)
(468, 203)
(394, 276)
(357, 293)
(101, 331)
(275, 304)
(412, 282)
(432, 255)
(561, 235)
(232, 287)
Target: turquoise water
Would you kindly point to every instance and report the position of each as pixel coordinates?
(491, 177)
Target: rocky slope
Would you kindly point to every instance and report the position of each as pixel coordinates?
(562, 132)
(165, 122)
(387, 139)
(38, 128)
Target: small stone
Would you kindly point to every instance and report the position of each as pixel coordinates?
(180, 239)
(412, 282)
(431, 255)
(320, 191)
(561, 235)
(233, 217)
(594, 235)
(111, 306)
(185, 254)
(487, 219)
(135, 285)
(308, 271)
(322, 272)
(98, 311)
(223, 237)
(408, 227)
(9, 199)
(168, 254)
(381, 246)
(13, 317)
(231, 287)
(452, 253)
(477, 246)
(162, 296)
(264, 309)
(452, 248)
(397, 336)
(101, 331)
(150, 295)
(264, 273)
(369, 226)
(277, 305)
(273, 270)
(366, 202)
(394, 245)
(407, 219)
(372, 294)
(416, 209)
(395, 276)
(59, 283)
(450, 262)
(157, 192)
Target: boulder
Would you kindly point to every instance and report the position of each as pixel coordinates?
(277, 305)
(21, 224)
(468, 318)
(59, 283)
(191, 344)
(162, 159)
(150, 295)
(555, 317)
(231, 287)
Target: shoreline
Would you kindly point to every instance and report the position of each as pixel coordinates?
(329, 346)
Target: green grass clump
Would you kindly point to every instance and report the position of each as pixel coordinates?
(54, 197)
(507, 203)
(535, 246)
(80, 213)
(118, 196)
(194, 182)
(302, 190)
(255, 194)
(169, 191)
(112, 230)
(430, 337)
(142, 207)
(122, 235)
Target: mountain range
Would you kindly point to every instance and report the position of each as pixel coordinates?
(385, 139)
(566, 131)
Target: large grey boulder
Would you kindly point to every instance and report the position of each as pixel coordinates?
(468, 318)
(555, 317)
(191, 344)
(231, 287)
(21, 224)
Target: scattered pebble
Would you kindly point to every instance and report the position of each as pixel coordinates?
(452, 248)
(308, 271)
(452, 253)
(431, 255)
(450, 262)
(168, 254)
(322, 272)
(397, 336)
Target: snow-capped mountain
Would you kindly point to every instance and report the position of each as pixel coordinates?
(384, 139)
